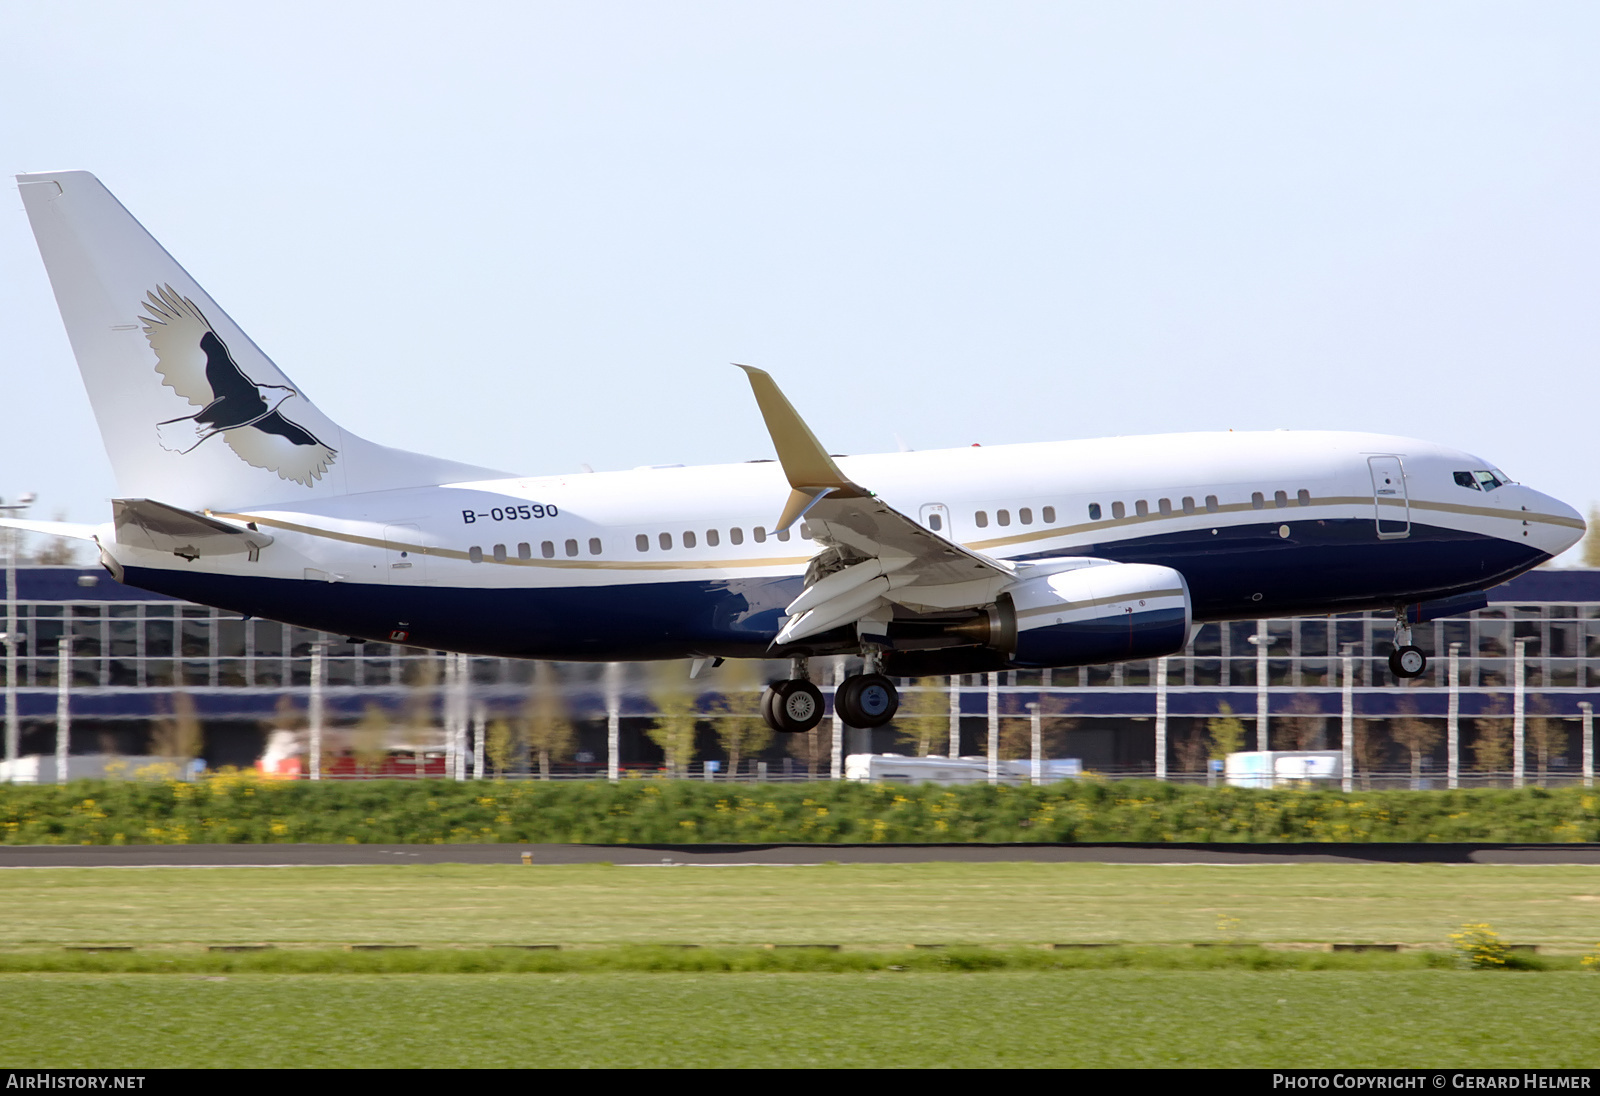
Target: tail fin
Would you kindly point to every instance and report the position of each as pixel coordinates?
(191, 411)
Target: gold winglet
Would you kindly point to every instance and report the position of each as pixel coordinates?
(807, 466)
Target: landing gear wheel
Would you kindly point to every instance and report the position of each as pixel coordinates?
(1408, 662)
(792, 707)
(866, 701)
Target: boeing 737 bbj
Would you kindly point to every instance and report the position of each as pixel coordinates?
(238, 492)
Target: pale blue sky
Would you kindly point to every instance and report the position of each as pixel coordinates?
(531, 235)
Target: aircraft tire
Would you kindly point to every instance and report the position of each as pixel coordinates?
(792, 707)
(1408, 662)
(866, 701)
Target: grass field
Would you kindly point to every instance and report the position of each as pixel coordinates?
(1114, 1018)
(850, 904)
(1391, 1012)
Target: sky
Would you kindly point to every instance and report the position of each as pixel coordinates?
(533, 236)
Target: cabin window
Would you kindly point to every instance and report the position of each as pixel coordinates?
(1141, 508)
(1118, 510)
(547, 549)
(594, 546)
(499, 553)
(760, 534)
(782, 534)
(1165, 506)
(572, 548)
(1257, 501)
(1188, 504)
(1303, 497)
(935, 522)
(1049, 514)
(688, 538)
(805, 531)
(712, 539)
(1002, 517)
(475, 554)
(981, 520)
(642, 542)
(524, 550)
(1280, 499)
(665, 540)
(736, 535)
(1094, 511)
(1211, 504)
(1025, 516)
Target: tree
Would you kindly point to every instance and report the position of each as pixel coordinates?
(372, 737)
(1419, 736)
(1591, 543)
(178, 735)
(924, 715)
(1305, 725)
(1491, 743)
(677, 715)
(502, 746)
(548, 730)
(1191, 748)
(1545, 735)
(1227, 732)
(737, 708)
(1368, 750)
(1016, 729)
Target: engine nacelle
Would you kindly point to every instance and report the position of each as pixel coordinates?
(1102, 612)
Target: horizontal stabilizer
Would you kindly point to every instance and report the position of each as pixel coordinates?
(145, 523)
(69, 529)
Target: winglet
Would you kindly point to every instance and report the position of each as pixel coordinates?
(806, 464)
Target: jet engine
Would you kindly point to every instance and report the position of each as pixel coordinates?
(1106, 612)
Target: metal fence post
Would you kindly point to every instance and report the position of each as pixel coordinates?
(314, 716)
(63, 706)
(1347, 745)
(1161, 719)
(1519, 713)
(1453, 721)
(613, 720)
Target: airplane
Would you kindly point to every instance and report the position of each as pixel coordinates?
(238, 492)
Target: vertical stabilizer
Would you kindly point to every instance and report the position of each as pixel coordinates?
(191, 411)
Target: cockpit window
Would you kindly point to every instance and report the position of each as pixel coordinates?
(1482, 479)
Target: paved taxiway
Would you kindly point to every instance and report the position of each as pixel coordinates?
(150, 856)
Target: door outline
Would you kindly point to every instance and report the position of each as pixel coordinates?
(403, 564)
(1389, 493)
(931, 510)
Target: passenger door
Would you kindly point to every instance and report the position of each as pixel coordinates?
(403, 563)
(1391, 504)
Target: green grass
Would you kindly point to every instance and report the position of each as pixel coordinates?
(617, 993)
(1421, 1019)
(996, 905)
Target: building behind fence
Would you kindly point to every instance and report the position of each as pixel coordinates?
(153, 675)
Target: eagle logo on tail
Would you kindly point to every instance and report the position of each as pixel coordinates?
(195, 364)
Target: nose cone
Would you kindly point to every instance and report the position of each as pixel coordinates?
(1560, 526)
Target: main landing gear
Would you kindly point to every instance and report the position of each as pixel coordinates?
(862, 700)
(1405, 660)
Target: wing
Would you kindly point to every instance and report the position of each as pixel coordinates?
(282, 446)
(885, 556)
(175, 329)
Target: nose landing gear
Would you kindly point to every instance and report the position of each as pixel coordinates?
(1406, 660)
